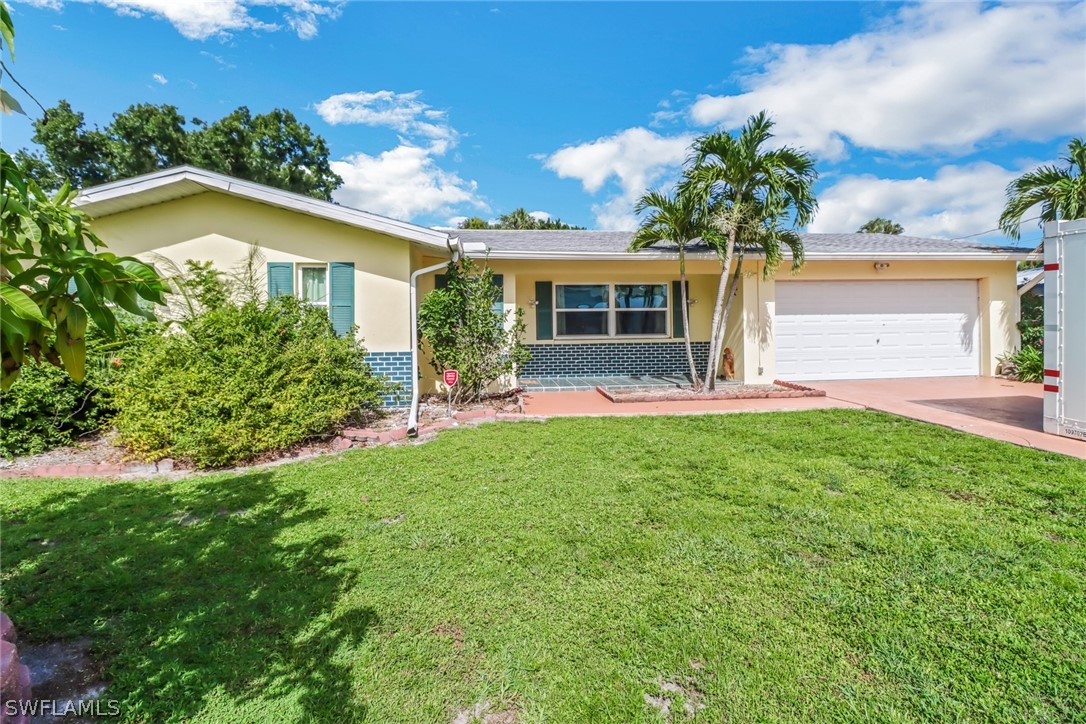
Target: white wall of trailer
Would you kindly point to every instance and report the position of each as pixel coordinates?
(1065, 328)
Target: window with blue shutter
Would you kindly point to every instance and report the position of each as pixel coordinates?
(280, 278)
(341, 296)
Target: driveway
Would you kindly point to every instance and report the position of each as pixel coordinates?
(987, 406)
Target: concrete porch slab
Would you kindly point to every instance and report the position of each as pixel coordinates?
(987, 406)
(591, 382)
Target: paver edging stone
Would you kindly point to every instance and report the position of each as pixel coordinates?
(793, 390)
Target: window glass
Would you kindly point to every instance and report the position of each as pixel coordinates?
(314, 284)
(641, 296)
(637, 322)
(574, 324)
(582, 296)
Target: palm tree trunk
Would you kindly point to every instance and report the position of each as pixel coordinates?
(733, 288)
(718, 308)
(685, 309)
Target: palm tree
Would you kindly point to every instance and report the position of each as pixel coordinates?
(1060, 191)
(765, 235)
(677, 219)
(748, 190)
(879, 225)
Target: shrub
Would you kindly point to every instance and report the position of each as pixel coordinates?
(237, 380)
(1032, 321)
(1026, 364)
(465, 329)
(45, 409)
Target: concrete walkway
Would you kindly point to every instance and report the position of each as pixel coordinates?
(987, 406)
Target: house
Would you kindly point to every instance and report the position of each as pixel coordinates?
(1031, 281)
(864, 306)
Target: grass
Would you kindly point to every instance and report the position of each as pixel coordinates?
(821, 565)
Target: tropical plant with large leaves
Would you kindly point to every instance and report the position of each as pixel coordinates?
(52, 275)
(752, 194)
(1060, 191)
(680, 220)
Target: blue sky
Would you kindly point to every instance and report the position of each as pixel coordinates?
(436, 111)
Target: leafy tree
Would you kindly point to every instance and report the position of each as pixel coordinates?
(272, 148)
(749, 192)
(1061, 191)
(474, 222)
(518, 219)
(464, 329)
(680, 220)
(52, 276)
(879, 225)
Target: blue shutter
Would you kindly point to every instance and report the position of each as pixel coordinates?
(341, 296)
(280, 278)
(677, 308)
(544, 311)
(499, 303)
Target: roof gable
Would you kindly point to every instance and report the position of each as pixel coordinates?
(176, 183)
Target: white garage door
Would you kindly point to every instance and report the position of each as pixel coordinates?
(871, 330)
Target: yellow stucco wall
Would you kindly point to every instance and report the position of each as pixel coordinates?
(219, 228)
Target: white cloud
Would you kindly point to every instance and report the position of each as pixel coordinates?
(540, 215)
(940, 76)
(958, 201)
(402, 112)
(159, 78)
(404, 182)
(203, 19)
(633, 160)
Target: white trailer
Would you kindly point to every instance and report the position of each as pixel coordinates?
(1065, 328)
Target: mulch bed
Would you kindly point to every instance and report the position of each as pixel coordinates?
(97, 456)
(776, 390)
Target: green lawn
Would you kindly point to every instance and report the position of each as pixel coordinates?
(796, 566)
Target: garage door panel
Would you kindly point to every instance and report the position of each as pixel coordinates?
(872, 330)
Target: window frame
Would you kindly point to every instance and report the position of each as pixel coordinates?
(612, 311)
(298, 267)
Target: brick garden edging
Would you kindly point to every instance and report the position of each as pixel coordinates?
(793, 390)
(348, 438)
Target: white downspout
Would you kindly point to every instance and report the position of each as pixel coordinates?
(413, 416)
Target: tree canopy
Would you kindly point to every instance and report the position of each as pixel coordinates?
(271, 148)
(879, 225)
(1060, 191)
(517, 219)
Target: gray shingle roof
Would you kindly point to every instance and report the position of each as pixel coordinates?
(616, 242)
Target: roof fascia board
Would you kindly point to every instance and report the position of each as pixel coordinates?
(701, 256)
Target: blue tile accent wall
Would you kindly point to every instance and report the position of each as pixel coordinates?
(613, 358)
(396, 366)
